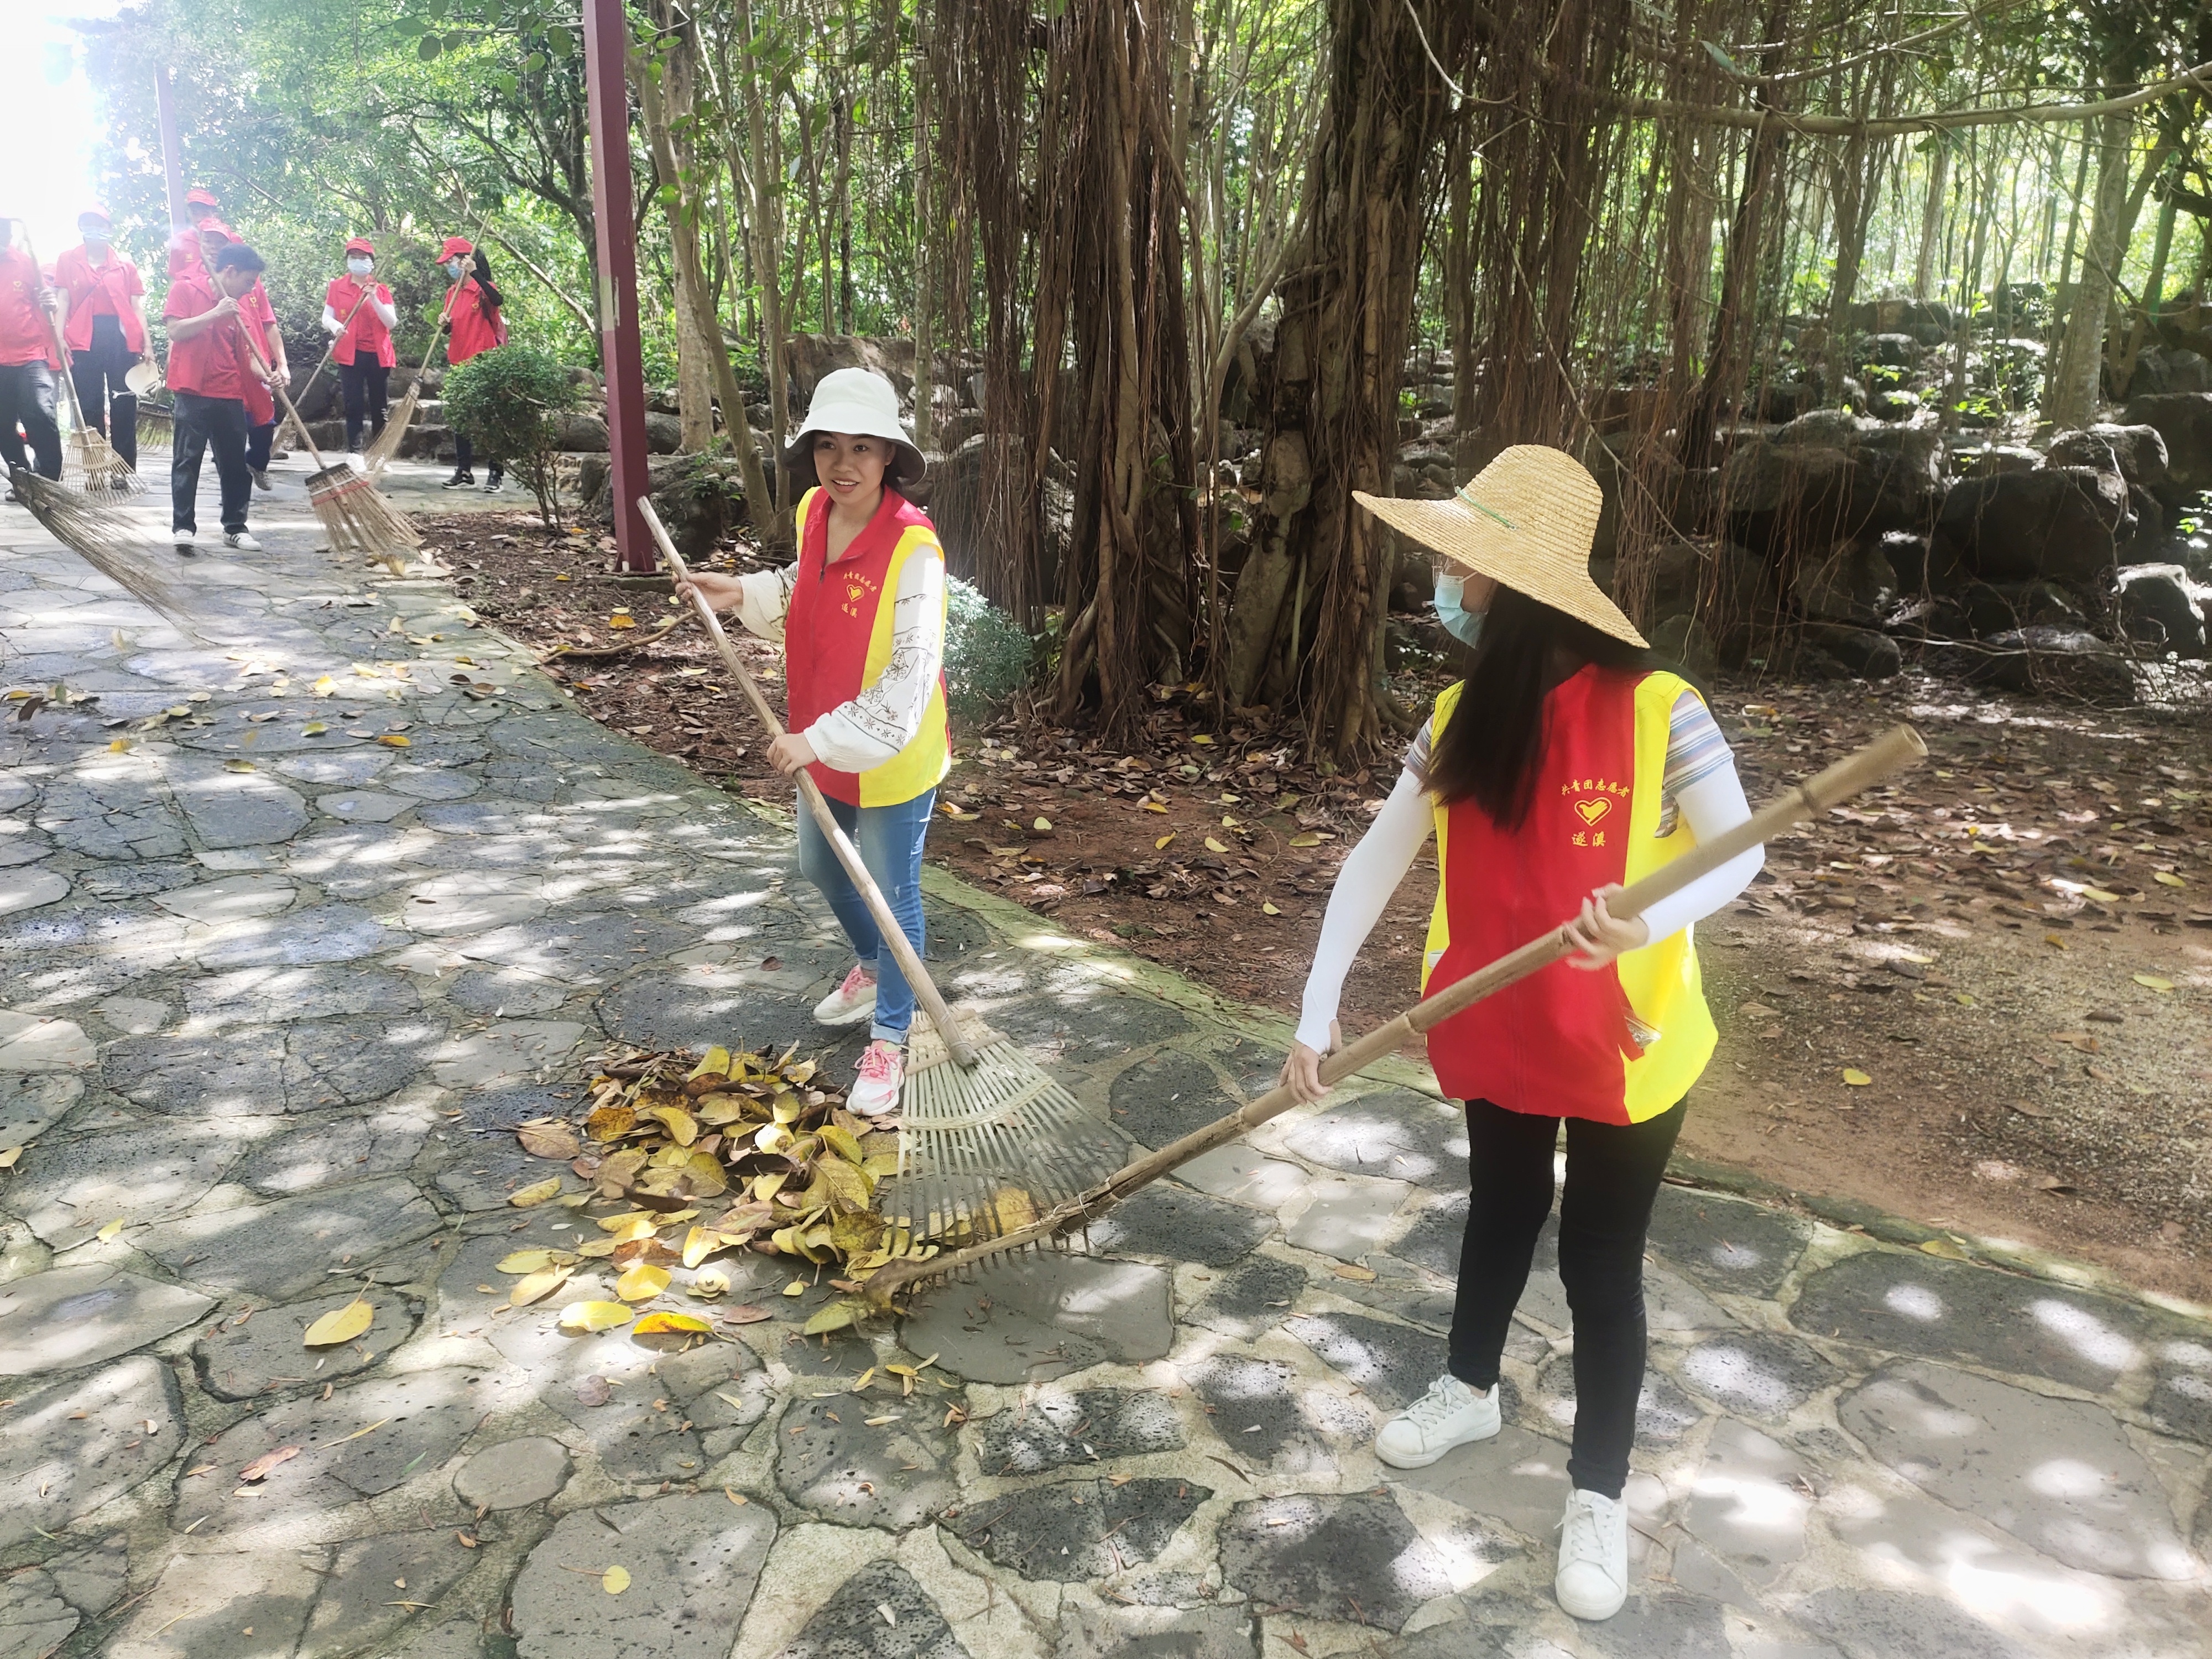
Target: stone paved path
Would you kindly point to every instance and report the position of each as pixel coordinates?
(262, 1029)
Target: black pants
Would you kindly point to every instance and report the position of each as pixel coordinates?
(1613, 1176)
(259, 441)
(363, 381)
(110, 406)
(464, 456)
(27, 399)
(202, 424)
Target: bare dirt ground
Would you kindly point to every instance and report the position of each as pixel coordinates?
(2012, 946)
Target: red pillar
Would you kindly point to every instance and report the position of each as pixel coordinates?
(606, 46)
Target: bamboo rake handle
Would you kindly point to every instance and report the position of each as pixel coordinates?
(887, 924)
(1895, 749)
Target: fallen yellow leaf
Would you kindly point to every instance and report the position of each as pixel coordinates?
(666, 1324)
(1855, 1078)
(2153, 982)
(1269, 909)
(238, 766)
(341, 1324)
(110, 1230)
(1308, 839)
(1153, 806)
(325, 686)
(119, 745)
(594, 1316)
(524, 1261)
(641, 1282)
(620, 621)
(1161, 845)
(1202, 738)
(1943, 1247)
(536, 1287)
(615, 1580)
(314, 729)
(797, 1287)
(1042, 825)
(536, 1194)
(393, 740)
(2100, 896)
(1213, 846)
(2168, 878)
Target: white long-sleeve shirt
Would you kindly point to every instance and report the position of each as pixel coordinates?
(868, 730)
(335, 325)
(1702, 787)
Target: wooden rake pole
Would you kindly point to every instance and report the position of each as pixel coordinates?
(385, 449)
(1894, 750)
(894, 936)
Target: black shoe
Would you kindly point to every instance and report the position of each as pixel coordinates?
(462, 479)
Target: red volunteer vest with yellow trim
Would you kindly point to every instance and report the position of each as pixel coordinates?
(1618, 1045)
(837, 640)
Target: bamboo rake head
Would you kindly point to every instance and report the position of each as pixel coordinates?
(104, 536)
(385, 449)
(94, 466)
(356, 517)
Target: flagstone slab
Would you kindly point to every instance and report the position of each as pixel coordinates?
(34, 1621)
(1345, 1216)
(1255, 1406)
(1090, 1425)
(1749, 1502)
(693, 1563)
(864, 1462)
(380, 1586)
(31, 888)
(1356, 1559)
(231, 898)
(1071, 1531)
(1170, 1219)
(322, 932)
(1394, 1363)
(2058, 1474)
(1725, 1243)
(239, 1360)
(308, 1153)
(514, 1473)
(207, 1599)
(364, 805)
(1047, 1315)
(1242, 1176)
(41, 1042)
(147, 1173)
(1924, 1306)
(283, 1250)
(1664, 1414)
(1260, 1294)
(1515, 1478)
(69, 1317)
(1867, 1623)
(233, 809)
(853, 1623)
(1762, 1374)
(515, 1051)
(1393, 1134)
(1165, 1096)
(75, 1445)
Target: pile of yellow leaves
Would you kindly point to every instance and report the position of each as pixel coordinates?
(742, 1152)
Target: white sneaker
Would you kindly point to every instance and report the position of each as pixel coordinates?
(851, 1002)
(242, 540)
(184, 540)
(1449, 1414)
(883, 1069)
(1593, 1578)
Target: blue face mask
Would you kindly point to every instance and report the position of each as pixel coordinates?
(1465, 626)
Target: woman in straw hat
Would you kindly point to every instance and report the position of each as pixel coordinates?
(860, 614)
(1568, 763)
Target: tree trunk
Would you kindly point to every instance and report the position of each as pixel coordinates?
(695, 303)
(1346, 310)
(671, 84)
(926, 228)
(1931, 212)
(2072, 401)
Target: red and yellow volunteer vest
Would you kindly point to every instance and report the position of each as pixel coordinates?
(1618, 1045)
(837, 640)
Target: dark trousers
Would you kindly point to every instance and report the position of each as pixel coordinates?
(363, 381)
(110, 406)
(27, 399)
(1613, 1176)
(465, 457)
(259, 440)
(202, 424)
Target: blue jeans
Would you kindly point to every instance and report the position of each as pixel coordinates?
(890, 840)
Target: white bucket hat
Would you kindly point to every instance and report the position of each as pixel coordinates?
(864, 404)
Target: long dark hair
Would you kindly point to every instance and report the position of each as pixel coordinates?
(1490, 748)
(489, 298)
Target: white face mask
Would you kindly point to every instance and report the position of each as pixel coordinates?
(357, 266)
(453, 268)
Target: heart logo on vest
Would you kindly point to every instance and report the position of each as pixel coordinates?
(1592, 811)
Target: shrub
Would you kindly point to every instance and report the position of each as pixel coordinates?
(987, 658)
(510, 401)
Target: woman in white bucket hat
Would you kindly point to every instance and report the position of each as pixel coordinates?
(1568, 763)
(860, 614)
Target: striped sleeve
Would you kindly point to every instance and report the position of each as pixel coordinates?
(1695, 747)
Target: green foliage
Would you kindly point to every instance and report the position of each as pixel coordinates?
(987, 658)
(509, 402)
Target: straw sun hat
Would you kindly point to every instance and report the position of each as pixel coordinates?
(1526, 522)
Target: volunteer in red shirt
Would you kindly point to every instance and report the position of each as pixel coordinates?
(472, 325)
(261, 315)
(364, 351)
(220, 397)
(104, 330)
(201, 208)
(28, 362)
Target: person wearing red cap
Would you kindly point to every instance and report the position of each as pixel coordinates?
(472, 325)
(261, 316)
(363, 352)
(28, 362)
(104, 330)
(201, 208)
(220, 396)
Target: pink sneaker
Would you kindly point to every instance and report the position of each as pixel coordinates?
(883, 1069)
(851, 1002)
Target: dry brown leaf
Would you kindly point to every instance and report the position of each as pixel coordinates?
(258, 1469)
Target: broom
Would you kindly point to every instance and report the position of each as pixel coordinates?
(978, 1116)
(385, 449)
(354, 517)
(1895, 749)
(92, 458)
(101, 534)
(292, 421)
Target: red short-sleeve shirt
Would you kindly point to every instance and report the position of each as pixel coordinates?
(211, 364)
(27, 334)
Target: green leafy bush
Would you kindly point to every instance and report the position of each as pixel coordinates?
(987, 658)
(510, 401)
